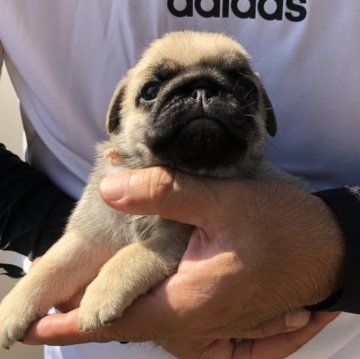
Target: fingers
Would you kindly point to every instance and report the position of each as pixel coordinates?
(286, 322)
(62, 329)
(282, 345)
(59, 329)
(274, 347)
(161, 191)
(154, 314)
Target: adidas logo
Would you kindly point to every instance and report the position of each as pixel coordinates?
(292, 10)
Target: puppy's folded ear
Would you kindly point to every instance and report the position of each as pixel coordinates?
(271, 126)
(113, 117)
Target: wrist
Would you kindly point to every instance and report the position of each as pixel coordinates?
(334, 255)
(345, 205)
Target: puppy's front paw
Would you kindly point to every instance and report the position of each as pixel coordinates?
(15, 319)
(100, 306)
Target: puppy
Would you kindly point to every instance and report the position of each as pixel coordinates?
(192, 103)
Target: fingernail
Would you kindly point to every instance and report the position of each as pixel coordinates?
(114, 187)
(296, 320)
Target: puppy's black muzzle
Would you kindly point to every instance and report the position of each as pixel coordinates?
(199, 126)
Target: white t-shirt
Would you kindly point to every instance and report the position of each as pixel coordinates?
(66, 56)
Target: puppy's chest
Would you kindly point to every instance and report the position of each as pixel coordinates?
(143, 227)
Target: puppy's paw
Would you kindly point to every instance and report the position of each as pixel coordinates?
(100, 306)
(11, 330)
(114, 155)
(14, 321)
(92, 318)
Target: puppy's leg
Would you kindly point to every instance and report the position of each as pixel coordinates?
(132, 271)
(68, 266)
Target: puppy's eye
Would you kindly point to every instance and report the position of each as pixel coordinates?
(150, 91)
(245, 90)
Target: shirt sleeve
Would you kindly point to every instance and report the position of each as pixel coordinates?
(345, 202)
(33, 213)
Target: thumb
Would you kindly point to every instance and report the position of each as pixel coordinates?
(282, 345)
(157, 190)
(286, 322)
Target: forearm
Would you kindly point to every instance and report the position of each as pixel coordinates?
(33, 212)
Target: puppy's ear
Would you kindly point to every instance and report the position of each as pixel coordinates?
(269, 112)
(113, 117)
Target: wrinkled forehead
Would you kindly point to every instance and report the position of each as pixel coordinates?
(188, 49)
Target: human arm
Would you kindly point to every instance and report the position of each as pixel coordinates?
(243, 269)
(345, 204)
(33, 213)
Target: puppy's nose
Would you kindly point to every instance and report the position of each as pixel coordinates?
(202, 93)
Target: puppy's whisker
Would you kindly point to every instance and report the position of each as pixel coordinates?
(250, 104)
(247, 94)
(243, 74)
(114, 118)
(248, 115)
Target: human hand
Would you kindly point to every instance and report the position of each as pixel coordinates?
(61, 329)
(244, 268)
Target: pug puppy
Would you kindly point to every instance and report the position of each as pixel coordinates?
(192, 103)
